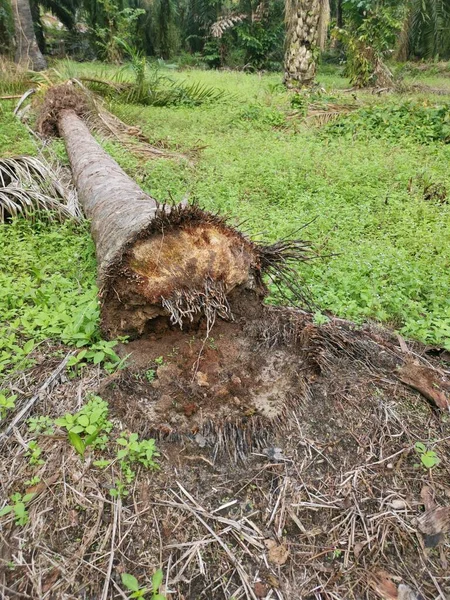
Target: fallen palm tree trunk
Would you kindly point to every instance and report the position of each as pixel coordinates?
(155, 261)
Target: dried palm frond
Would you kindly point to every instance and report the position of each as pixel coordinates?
(262, 10)
(28, 184)
(105, 123)
(224, 23)
(320, 113)
(322, 117)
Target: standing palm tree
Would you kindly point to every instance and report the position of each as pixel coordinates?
(426, 30)
(27, 49)
(306, 22)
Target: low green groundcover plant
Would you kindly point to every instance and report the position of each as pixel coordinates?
(421, 121)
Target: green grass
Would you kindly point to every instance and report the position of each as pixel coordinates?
(385, 247)
(47, 288)
(14, 138)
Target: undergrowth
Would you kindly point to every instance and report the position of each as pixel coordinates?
(47, 289)
(419, 121)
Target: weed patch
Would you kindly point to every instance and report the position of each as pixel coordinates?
(422, 122)
(47, 289)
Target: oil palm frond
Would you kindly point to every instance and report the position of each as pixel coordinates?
(28, 185)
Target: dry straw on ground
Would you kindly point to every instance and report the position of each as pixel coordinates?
(311, 492)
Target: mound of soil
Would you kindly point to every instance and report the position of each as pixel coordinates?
(288, 470)
(203, 385)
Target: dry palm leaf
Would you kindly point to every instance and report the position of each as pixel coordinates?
(321, 115)
(383, 584)
(103, 122)
(28, 185)
(226, 22)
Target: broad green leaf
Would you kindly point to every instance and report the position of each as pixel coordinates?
(83, 420)
(64, 421)
(157, 579)
(420, 447)
(101, 464)
(19, 509)
(130, 582)
(28, 347)
(91, 438)
(6, 510)
(77, 443)
(98, 357)
(28, 497)
(95, 415)
(76, 429)
(429, 459)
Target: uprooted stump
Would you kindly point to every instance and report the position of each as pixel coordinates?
(155, 261)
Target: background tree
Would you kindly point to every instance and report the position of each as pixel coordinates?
(28, 53)
(250, 34)
(306, 21)
(426, 30)
(6, 26)
(369, 34)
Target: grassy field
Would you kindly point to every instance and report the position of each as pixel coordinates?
(372, 188)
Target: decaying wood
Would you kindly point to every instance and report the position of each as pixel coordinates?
(428, 381)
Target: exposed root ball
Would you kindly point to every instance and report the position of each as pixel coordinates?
(58, 98)
(185, 263)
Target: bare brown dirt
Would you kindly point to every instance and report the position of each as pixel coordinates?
(288, 470)
(202, 382)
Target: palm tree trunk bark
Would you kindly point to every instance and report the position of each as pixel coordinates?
(154, 262)
(302, 40)
(27, 49)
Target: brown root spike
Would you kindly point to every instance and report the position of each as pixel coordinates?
(185, 306)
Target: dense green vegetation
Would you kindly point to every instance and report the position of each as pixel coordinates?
(372, 184)
(235, 34)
